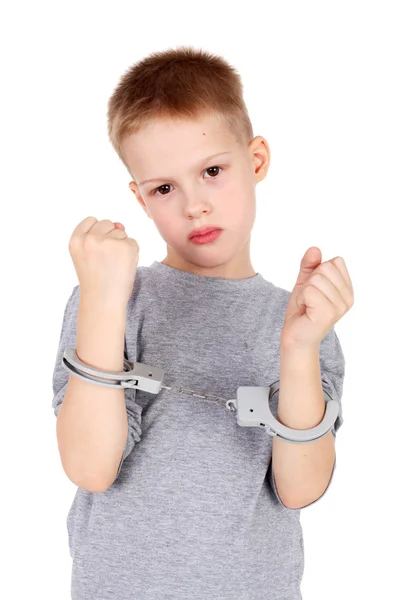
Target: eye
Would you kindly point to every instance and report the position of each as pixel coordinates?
(166, 185)
(210, 168)
(153, 193)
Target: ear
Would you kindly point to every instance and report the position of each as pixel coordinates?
(133, 186)
(260, 156)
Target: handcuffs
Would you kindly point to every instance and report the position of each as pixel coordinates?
(251, 404)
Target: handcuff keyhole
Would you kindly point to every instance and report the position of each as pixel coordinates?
(251, 410)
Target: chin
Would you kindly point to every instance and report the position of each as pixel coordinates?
(207, 256)
(209, 259)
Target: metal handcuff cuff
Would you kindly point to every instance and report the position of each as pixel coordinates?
(251, 404)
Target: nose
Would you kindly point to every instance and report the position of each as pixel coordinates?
(196, 206)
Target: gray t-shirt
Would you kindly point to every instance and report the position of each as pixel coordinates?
(194, 513)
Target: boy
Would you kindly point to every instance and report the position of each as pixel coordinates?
(174, 499)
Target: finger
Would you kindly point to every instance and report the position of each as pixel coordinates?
(331, 270)
(84, 226)
(338, 261)
(103, 227)
(328, 289)
(318, 303)
(118, 234)
(310, 261)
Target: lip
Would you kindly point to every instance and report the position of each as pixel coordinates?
(203, 230)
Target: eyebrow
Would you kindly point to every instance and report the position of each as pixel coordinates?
(170, 178)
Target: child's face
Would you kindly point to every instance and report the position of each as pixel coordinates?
(192, 192)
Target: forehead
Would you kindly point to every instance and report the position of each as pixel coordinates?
(166, 143)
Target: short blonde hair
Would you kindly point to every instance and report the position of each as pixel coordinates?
(177, 83)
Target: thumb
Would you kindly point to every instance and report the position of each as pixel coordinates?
(309, 263)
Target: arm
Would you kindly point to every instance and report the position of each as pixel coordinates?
(323, 293)
(92, 424)
(302, 471)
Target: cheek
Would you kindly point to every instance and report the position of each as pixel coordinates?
(239, 203)
(165, 223)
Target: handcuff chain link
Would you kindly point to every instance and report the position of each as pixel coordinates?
(229, 404)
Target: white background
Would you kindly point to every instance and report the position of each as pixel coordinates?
(321, 82)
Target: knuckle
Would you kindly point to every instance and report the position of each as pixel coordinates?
(317, 277)
(324, 267)
(91, 241)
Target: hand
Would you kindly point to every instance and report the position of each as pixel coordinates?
(323, 293)
(105, 259)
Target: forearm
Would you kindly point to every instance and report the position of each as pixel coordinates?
(92, 424)
(302, 471)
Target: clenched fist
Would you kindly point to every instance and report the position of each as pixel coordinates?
(105, 259)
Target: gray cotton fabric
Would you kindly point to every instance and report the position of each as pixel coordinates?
(193, 512)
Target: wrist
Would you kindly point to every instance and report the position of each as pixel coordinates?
(299, 362)
(103, 302)
(290, 348)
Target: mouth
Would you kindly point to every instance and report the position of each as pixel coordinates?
(203, 231)
(206, 238)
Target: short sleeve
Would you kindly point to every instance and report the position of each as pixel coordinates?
(61, 375)
(67, 340)
(332, 366)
